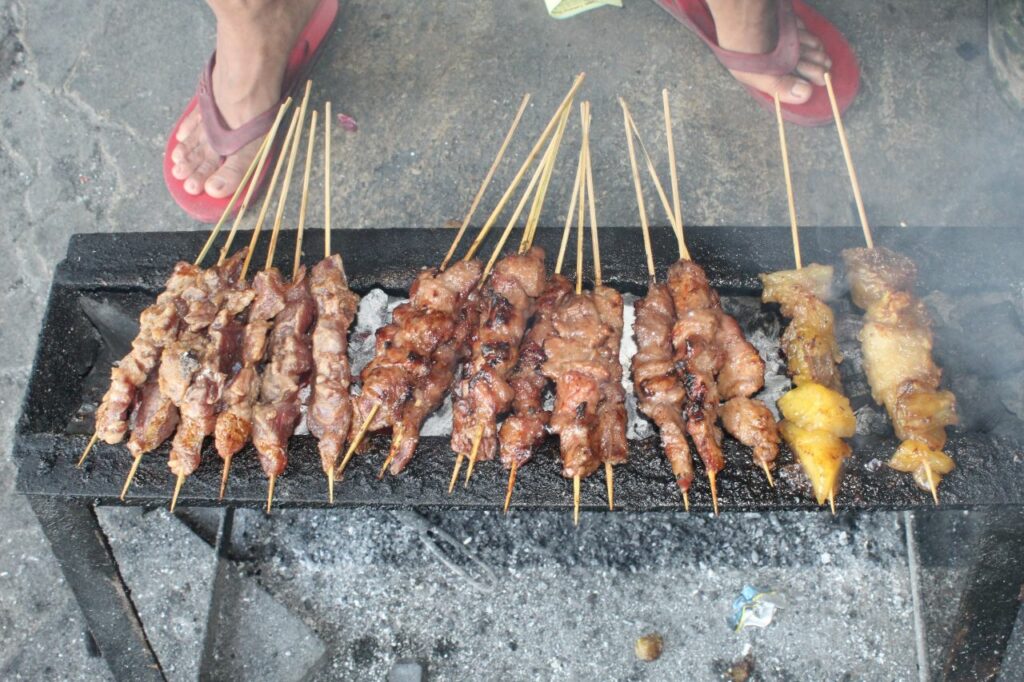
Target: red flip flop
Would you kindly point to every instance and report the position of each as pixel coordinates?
(695, 15)
(226, 141)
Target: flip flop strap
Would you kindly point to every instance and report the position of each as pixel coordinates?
(780, 61)
(222, 138)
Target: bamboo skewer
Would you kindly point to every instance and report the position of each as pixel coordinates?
(270, 192)
(673, 174)
(358, 438)
(327, 180)
(862, 214)
(260, 153)
(177, 490)
(548, 130)
(789, 185)
(558, 270)
(473, 453)
(305, 194)
(677, 226)
(849, 162)
(88, 448)
(542, 190)
(487, 180)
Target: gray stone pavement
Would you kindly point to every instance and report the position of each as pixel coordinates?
(88, 91)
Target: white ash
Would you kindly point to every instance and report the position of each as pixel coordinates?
(440, 422)
(373, 313)
(776, 383)
(302, 428)
(638, 428)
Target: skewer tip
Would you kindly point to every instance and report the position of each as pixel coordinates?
(473, 454)
(131, 476)
(931, 483)
(455, 472)
(768, 473)
(714, 490)
(686, 500)
(224, 477)
(330, 485)
(511, 485)
(576, 500)
(609, 477)
(357, 440)
(391, 455)
(177, 490)
(270, 492)
(832, 501)
(88, 449)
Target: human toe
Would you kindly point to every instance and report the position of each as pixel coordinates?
(812, 71)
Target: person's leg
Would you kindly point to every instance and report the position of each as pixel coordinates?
(254, 38)
(752, 26)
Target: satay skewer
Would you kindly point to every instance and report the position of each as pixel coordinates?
(537, 188)
(278, 217)
(566, 231)
(645, 229)
(254, 168)
(865, 227)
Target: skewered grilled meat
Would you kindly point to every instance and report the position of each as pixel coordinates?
(278, 410)
(429, 392)
(609, 438)
(484, 392)
(234, 423)
(576, 365)
(659, 393)
(809, 342)
(751, 423)
(523, 431)
(409, 372)
(220, 350)
(330, 409)
(897, 343)
(817, 414)
(153, 420)
(158, 325)
(697, 357)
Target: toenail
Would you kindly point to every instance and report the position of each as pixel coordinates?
(217, 185)
(800, 89)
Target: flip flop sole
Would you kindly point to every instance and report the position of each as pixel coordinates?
(304, 55)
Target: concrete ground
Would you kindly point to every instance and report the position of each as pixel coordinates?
(88, 92)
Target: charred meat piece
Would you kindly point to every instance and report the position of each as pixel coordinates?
(660, 394)
(234, 423)
(523, 431)
(221, 351)
(609, 439)
(153, 420)
(330, 409)
(484, 392)
(742, 373)
(697, 357)
(751, 423)
(404, 362)
(576, 364)
(277, 413)
(158, 326)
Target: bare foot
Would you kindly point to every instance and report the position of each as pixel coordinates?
(254, 38)
(752, 26)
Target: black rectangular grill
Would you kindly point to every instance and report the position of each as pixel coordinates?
(123, 272)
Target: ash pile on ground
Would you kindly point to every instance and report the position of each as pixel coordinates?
(527, 596)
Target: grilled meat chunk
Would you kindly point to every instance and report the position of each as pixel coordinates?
(330, 409)
(153, 420)
(158, 326)
(609, 439)
(751, 423)
(660, 394)
(484, 392)
(277, 413)
(523, 430)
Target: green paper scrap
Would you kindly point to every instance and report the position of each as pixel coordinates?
(563, 9)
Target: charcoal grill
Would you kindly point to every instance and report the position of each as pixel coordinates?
(107, 279)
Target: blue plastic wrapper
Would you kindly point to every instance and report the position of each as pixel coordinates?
(754, 608)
